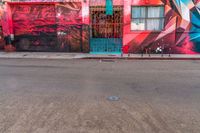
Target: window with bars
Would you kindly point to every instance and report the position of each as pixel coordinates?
(147, 18)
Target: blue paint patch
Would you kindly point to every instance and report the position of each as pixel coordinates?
(109, 7)
(105, 53)
(186, 2)
(105, 45)
(195, 29)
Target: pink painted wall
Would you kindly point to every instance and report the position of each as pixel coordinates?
(7, 20)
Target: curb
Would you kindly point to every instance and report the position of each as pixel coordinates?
(42, 58)
(141, 58)
(105, 58)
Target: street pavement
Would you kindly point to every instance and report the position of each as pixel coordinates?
(71, 96)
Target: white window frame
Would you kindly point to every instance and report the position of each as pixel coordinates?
(147, 18)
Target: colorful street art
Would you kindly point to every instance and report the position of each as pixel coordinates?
(181, 32)
(34, 26)
(73, 26)
(46, 26)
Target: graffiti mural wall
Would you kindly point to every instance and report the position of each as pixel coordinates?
(172, 25)
(72, 34)
(34, 26)
(46, 26)
(180, 32)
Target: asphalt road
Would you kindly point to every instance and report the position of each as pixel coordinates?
(70, 96)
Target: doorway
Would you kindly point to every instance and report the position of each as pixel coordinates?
(106, 30)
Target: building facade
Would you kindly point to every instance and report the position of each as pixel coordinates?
(103, 26)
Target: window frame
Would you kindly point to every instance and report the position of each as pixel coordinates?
(145, 19)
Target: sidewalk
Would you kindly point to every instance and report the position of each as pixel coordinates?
(54, 55)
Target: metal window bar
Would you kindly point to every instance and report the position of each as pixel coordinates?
(111, 27)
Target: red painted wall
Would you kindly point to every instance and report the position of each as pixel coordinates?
(33, 18)
(47, 26)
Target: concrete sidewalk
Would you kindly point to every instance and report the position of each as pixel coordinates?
(56, 55)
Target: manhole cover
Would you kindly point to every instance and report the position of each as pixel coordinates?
(111, 55)
(107, 60)
(113, 98)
